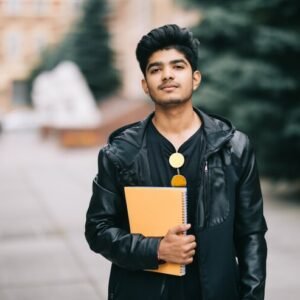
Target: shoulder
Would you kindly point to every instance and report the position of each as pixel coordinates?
(239, 143)
(125, 142)
(242, 151)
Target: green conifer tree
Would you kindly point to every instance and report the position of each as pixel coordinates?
(249, 57)
(91, 49)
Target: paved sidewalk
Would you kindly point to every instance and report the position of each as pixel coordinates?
(44, 194)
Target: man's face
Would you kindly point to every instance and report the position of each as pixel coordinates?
(169, 78)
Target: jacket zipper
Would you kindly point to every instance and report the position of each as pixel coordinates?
(205, 193)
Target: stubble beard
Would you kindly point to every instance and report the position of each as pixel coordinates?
(171, 102)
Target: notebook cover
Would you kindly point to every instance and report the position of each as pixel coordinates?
(152, 211)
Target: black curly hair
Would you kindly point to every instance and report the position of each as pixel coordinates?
(169, 36)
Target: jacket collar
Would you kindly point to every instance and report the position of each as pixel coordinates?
(218, 130)
(126, 142)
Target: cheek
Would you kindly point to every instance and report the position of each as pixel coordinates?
(186, 79)
(152, 86)
(189, 84)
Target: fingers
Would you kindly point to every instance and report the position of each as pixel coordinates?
(177, 247)
(189, 251)
(180, 228)
(189, 247)
(189, 261)
(189, 238)
(187, 257)
(192, 253)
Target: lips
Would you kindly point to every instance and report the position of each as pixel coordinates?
(169, 86)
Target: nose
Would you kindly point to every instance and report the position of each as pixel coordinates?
(167, 74)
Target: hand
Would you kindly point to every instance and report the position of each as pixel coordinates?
(177, 247)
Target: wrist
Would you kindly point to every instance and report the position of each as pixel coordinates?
(160, 260)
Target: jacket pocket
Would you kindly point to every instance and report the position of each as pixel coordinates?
(218, 205)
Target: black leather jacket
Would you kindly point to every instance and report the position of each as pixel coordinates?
(229, 224)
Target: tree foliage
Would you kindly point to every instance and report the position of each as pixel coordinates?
(249, 58)
(87, 44)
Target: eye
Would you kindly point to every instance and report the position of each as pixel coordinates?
(179, 66)
(154, 70)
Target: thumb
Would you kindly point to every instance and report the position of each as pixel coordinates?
(180, 228)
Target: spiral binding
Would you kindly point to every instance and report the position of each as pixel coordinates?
(184, 221)
(184, 207)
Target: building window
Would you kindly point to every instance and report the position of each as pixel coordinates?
(13, 45)
(41, 7)
(13, 7)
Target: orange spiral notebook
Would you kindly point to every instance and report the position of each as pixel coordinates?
(152, 211)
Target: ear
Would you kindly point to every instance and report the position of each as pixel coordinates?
(196, 79)
(145, 86)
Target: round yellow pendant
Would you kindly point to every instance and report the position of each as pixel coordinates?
(176, 160)
(178, 181)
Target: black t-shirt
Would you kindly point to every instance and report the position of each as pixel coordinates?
(159, 150)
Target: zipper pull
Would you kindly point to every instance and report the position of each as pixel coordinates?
(206, 166)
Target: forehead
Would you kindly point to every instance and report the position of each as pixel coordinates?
(166, 56)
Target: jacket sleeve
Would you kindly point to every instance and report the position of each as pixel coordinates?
(106, 228)
(250, 228)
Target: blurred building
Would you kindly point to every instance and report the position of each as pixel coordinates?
(28, 26)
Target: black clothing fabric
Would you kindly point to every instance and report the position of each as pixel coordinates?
(159, 151)
(229, 221)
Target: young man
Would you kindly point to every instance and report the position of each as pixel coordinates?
(224, 249)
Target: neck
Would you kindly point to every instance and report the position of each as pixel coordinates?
(176, 123)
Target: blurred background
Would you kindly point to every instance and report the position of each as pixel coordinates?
(68, 77)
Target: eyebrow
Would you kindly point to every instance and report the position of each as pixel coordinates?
(172, 62)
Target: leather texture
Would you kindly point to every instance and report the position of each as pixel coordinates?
(229, 223)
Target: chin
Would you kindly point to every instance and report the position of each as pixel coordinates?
(169, 102)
